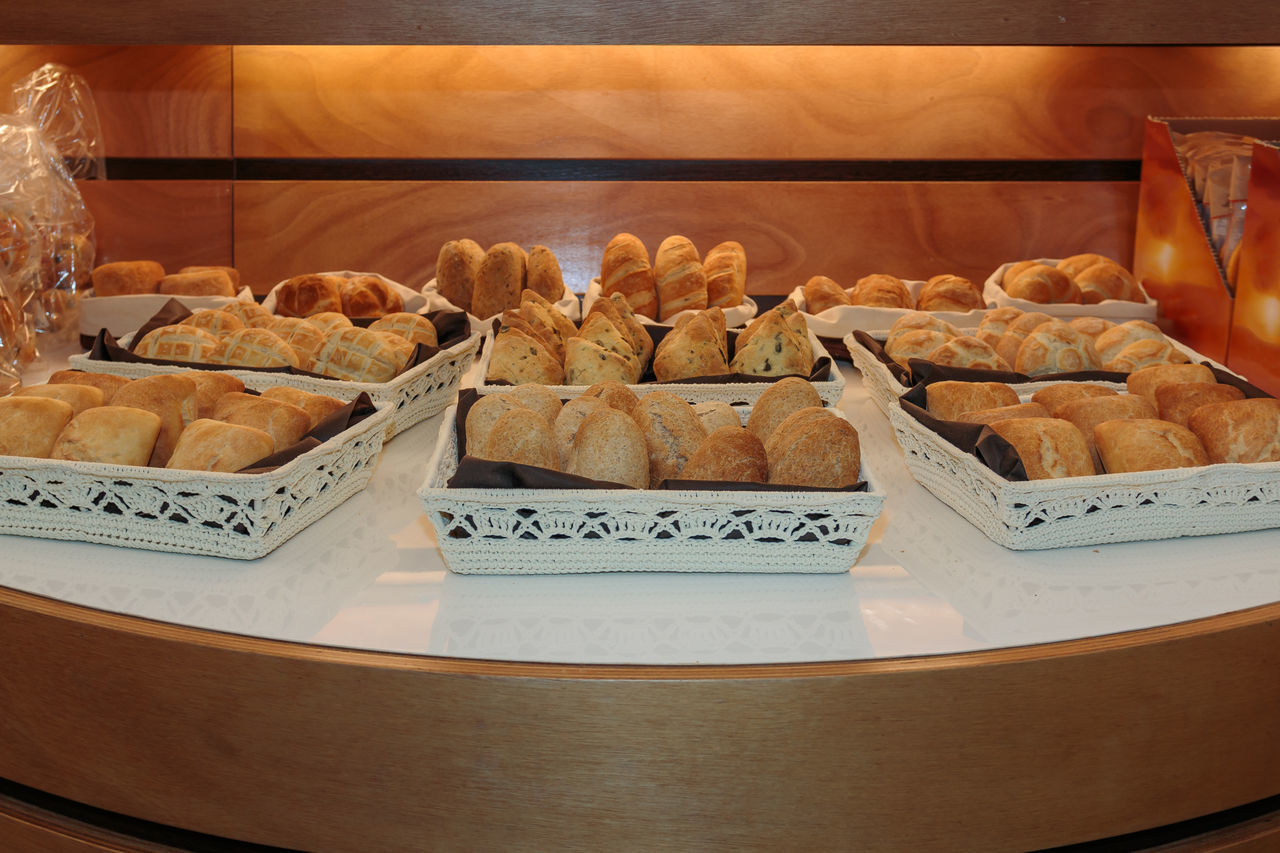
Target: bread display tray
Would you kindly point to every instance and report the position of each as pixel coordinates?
(559, 531)
(737, 393)
(1115, 310)
(734, 317)
(843, 319)
(241, 516)
(1076, 511)
(569, 305)
(415, 395)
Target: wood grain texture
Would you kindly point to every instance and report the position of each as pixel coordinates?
(326, 749)
(755, 102)
(27, 829)
(152, 101)
(174, 222)
(791, 231)
(676, 22)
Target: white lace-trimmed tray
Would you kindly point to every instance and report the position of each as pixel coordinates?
(1115, 310)
(740, 393)
(563, 531)
(415, 395)
(241, 516)
(1076, 511)
(840, 320)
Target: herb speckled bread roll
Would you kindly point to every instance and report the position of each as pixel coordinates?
(731, 454)
(672, 433)
(518, 358)
(1050, 448)
(587, 362)
(1145, 444)
(625, 269)
(457, 267)
(609, 445)
(773, 349)
(814, 447)
(681, 280)
(692, 349)
(209, 445)
(564, 326)
(499, 281)
(29, 426)
(113, 435)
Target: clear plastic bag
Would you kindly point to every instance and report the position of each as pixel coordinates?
(59, 102)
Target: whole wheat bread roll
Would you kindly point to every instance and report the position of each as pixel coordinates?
(524, 437)
(715, 414)
(484, 413)
(544, 276)
(672, 432)
(730, 453)
(778, 401)
(610, 446)
(625, 270)
(500, 280)
(814, 447)
(539, 398)
(457, 267)
(571, 416)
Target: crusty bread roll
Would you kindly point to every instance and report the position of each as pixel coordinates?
(881, 291)
(369, 296)
(681, 280)
(1049, 448)
(1091, 326)
(1145, 444)
(304, 295)
(358, 355)
(1176, 402)
(608, 445)
(114, 435)
(178, 343)
(1056, 347)
(284, 422)
(1107, 280)
(571, 416)
(539, 398)
(402, 348)
(204, 283)
(732, 454)
(1145, 353)
(107, 383)
(726, 268)
(692, 349)
(1146, 380)
(821, 293)
(1016, 332)
(778, 401)
(254, 347)
(1014, 270)
(126, 278)
(304, 337)
(330, 321)
(587, 362)
(414, 328)
(672, 432)
(317, 406)
(914, 321)
(1001, 413)
(29, 426)
(213, 321)
(773, 349)
(625, 270)
(995, 323)
(1073, 265)
(1110, 342)
(614, 394)
(715, 414)
(966, 351)
(517, 358)
(814, 447)
(1044, 284)
(1053, 396)
(80, 397)
(483, 414)
(524, 437)
(500, 280)
(950, 293)
(1239, 430)
(1088, 412)
(917, 343)
(210, 385)
(949, 399)
(209, 445)
(543, 275)
(172, 397)
(251, 314)
(231, 272)
(457, 266)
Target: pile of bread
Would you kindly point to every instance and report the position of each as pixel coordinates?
(1171, 416)
(244, 334)
(678, 279)
(485, 283)
(1084, 279)
(940, 293)
(1032, 343)
(197, 420)
(611, 434)
(351, 296)
(129, 278)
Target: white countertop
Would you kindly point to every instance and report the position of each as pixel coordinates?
(368, 576)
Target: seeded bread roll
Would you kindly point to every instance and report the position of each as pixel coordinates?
(370, 296)
(1053, 396)
(543, 274)
(914, 321)
(209, 445)
(1049, 448)
(966, 351)
(317, 406)
(731, 454)
(483, 414)
(681, 280)
(284, 422)
(1001, 413)
(518, 358)
(213, 321)
(571, 416)
(1056, 347)
(641, 340)
(821, 293)
(1144, 444)
(107, 383)
(541, 322)
(726, 269)
(774, 349)
(80, 397)
(950, 293)
(172, 397)
(206, 283)
(600, 330)
(715, 414)
(532, 326)
(1110, 342)
(304, 295)
(1088, 412)
(1145, 381)
(126, 278)
(587, 362)
(457, 267)
(778, 401)
(1239, 430)
(29, 426)
(672, 433)
(1175, 403)
(113, 435)
(610, 446)
(1108, 280)
(1044, 284)
(625, 270)
(564, 326)
(615, 394)
(914, 344)
(210, 386)
(881, 291)
(523, 437)
(949, 399)
(815, 448)
(500, 280)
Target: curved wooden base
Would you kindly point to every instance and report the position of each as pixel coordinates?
(315, 748)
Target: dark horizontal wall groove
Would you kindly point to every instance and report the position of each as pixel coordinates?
(351, 169)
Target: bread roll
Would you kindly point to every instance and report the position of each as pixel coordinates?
(949, 399)
(715, 414)
(1239, 430)
(126, 278)
(1045, 284)
(609, 446)
(231, 272)
(329, 321)
(1073, 265)
(1014, 270)
(914, 321)
(619, 311)
(1001, 413)
(672, 433)
(539, 398)
(251, 314)
(544, 276)
(317, 406)
(625, 270)
(1107, 280)
(914, 344)
(357, 355)
(587, 362)
(1053, 396)
(107, 383)
(254, 347)
(1110, 342)
(1091, 326)
(209, 445)
(571, 416)
(614, 394)
(535, 328)
(29, 426)
(1144, 444)
(814, 447)
(778, 401)
(210, 386)
(179, 343)
(600, 330)
(1145, 381)
(950, 293)
(693, 349)
(403, 348)
(966, 351)
(79, 397)
(1176, 402)
(304, 337)
(1145, 353)
(1056, 347)
(170, 396)
(518, 358)
(483, 414)
(304, 295)
(563, 325)
(1049, 448)
(369, 296)
(457, 267)
(881, 291)
(1017, 331)
(1088, 412)
(821, 293)
(523, 437)
(774, 349)
(499, 281)
(726, 268)
(414, 328)
(995, 323)
(681, 280)
(213, 321)
(113, 435)
(284, 422)
(731, 454)
(206, 283)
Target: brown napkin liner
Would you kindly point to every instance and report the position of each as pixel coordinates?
(330, 426)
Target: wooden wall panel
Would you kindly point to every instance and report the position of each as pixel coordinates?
(872, 102)
(153, 101)
(790, 230)
(173, 222)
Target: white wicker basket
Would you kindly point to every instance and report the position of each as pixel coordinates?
(415, 395)
(1115, 310)
(242, 516)
(1076, 511)
(738, 393)
(560, 531)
